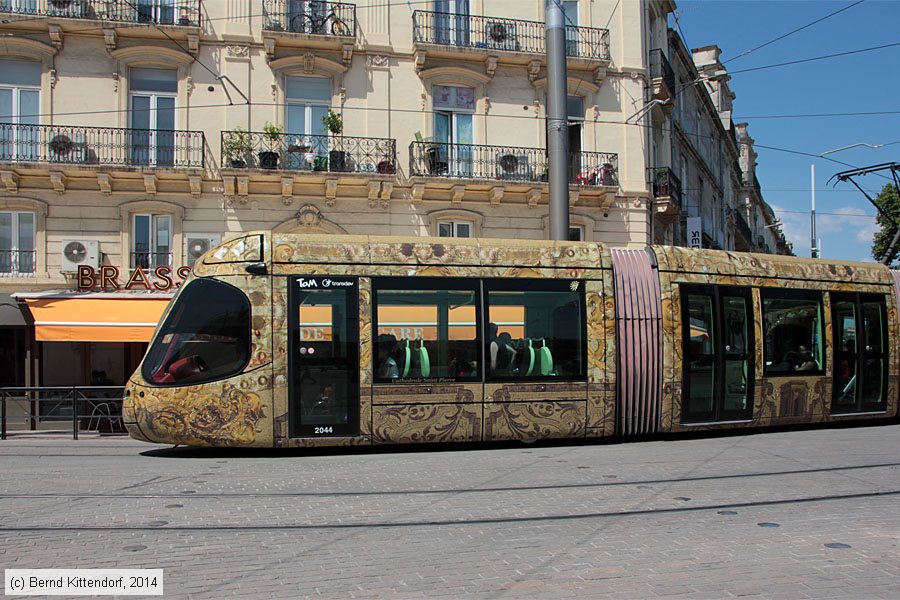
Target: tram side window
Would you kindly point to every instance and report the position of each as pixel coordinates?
(792, 332)
(426, 329)
(535, 329)
(205, 337)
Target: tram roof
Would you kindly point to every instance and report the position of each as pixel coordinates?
(748, 264)
(301, 248)
(396, 250)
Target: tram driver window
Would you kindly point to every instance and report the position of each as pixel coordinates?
(426, 330)
(792, 332)
(535, 329)
(205, 337)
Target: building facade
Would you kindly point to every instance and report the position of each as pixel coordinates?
(135, 134)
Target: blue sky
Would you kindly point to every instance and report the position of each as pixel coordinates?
(864, 82)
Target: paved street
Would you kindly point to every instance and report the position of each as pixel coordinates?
(811, 514)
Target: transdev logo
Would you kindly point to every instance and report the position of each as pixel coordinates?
(573, 286)
(324, 283)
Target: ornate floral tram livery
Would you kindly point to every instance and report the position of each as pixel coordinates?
(295, 340)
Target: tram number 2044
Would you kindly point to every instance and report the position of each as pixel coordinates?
(323, 430)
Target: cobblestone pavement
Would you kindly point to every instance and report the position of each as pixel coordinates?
(809, 514)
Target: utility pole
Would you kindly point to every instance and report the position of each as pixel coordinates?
(814, 248)
(557, 120)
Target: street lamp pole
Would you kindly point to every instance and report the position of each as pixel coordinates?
(814, 250)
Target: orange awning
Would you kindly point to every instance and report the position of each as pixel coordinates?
(95, 319)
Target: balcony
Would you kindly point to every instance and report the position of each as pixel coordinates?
(184, 13)
(666, 191)
(309, 24)
(101, 146)
(743, 241)
(17, 263)
(150, 260)
(311, 18)
(290, 152)
(508, 164)
(662, 77)
(450, 35)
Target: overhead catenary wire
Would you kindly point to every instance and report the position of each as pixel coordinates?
(792, 32)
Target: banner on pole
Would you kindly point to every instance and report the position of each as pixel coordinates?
(695, 232)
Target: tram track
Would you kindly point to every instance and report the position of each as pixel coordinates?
(458, 522)
(528, 488)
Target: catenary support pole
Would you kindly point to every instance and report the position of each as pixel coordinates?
(557, 122)
(814, 248)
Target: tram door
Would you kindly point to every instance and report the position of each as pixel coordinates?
(859, 323)
(717, 334)
(324, 356)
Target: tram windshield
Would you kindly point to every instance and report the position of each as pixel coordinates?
(205, 337)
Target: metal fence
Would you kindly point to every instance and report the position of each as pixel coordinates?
(472, 161)
(290, 152)
(150, 260)
(17, 262)
(64, 144)
(83, 408)
(302, 16)
(660, 68)
(159, 12)
(494, 33)
(666, 185)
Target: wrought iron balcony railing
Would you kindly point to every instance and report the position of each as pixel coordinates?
(666, 185)
(310, 16)
(660, 68)
(150, 260)
(159, 12)
(740, 224)
(16, 262)
(292, 152)
(63, 144)
(506, 163)
(513, 35)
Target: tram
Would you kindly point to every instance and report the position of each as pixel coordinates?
(289, 340)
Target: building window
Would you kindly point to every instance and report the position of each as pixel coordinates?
(17, 243)
(453, 130)
(535, 329)
(570, 13)
(451, 22)
(152, 116)
(576, 233)
(151, 241)
(307, 99)
(457, 229)
(155, 11)
(575, 114)
(426, 329)
(20, 105)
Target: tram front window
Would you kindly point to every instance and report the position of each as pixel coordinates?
(205, 337)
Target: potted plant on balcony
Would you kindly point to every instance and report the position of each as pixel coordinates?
(268, 159)
(337, 158)
(237, 147)
(661, 185)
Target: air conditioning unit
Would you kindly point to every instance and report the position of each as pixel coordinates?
(65, 8)
(500, 35)
(513, 166)
(78, 253)
(196, 245)
(67, 146)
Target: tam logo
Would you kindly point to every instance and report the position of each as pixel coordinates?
(307, 283)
